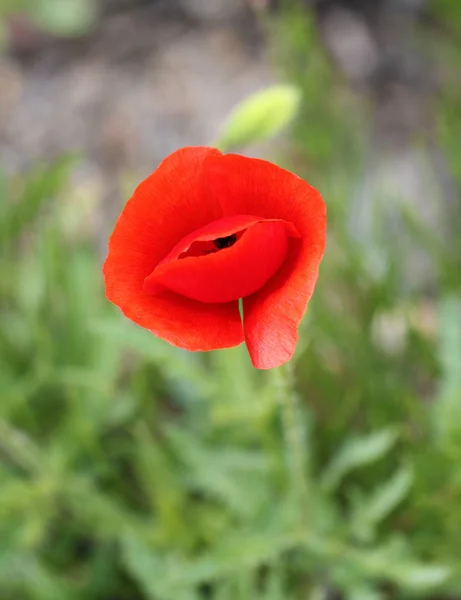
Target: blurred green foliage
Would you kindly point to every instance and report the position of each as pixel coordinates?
(132, 470)
(58, 17)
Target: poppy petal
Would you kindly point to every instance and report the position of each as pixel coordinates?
(185, 323)
(251, 186)
(167, 206)
(259, 248)
(272, 315)
(171, 203)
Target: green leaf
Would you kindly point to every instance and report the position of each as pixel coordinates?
(358, 452)
(391, 561)
(447, 409)
(275, 584)
(181, 368)
(363, 592)
(371, 510)
(170, 576)
(422, 578)
(224, 473)
(40, 186)
(260, 117)
(144, 566)
(24, 573)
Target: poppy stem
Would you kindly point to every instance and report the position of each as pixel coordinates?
(295, 437)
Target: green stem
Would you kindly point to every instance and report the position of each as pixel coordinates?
(295, 439)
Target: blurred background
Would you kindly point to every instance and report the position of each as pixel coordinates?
(131, 470)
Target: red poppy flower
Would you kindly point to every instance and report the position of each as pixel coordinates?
(207, 229)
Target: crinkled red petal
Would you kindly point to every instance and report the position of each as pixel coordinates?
(273, 313)
(170, 204)
(259, 250)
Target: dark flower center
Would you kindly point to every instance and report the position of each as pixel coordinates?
(225, 242)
